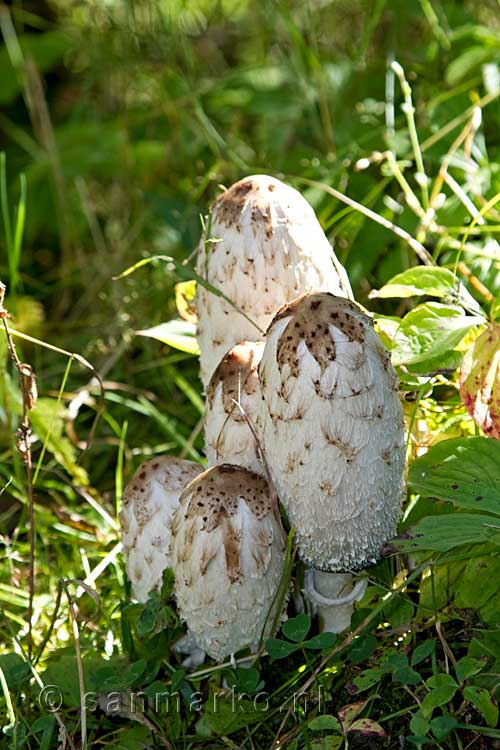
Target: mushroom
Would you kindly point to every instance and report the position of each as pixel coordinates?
(233, 395)
(333, 438)
(148, 504)
(262, 248)
(227, 553)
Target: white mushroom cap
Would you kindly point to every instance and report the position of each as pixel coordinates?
(227, 553)
(268, 248)
(228, 437)
(148, 504)
(333, 432)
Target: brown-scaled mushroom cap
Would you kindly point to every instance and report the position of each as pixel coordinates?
(333, 432)
(227, 552)
(148, 505)
(268, 247)
(234, 384)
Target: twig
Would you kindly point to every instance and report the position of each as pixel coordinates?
(81, 681)
(416, 246)
(27, 384)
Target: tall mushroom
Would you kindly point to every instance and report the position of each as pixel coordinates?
(233, 395)
(227, 553)
(149, 502)
(263, 247)
(333, 437)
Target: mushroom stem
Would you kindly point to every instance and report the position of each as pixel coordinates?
(332, 596)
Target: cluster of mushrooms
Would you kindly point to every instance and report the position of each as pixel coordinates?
(302, 410)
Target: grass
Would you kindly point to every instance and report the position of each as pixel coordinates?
(372, 109)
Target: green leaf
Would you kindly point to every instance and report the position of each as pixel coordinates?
(407, 676)
(398, 611)
(428, 331)
(247, 680)
(465, 471)
(46, 49)
(223, 714)
(325, 722)
(467, 667)
(296, 628)
(484, 702)
(419, 724)
(422, 651)
(466, 63)
(278, 649)
(322, 640)
(361, 648)
(179, 334)
(368, 678)
(443, 725)
(444, 533)
(436, 698)
(15, 669)
(433, 282)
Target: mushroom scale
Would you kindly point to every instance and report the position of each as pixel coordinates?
(235, 383)
(333, 430)
(265, 248)
(149, 502)
(227, 553)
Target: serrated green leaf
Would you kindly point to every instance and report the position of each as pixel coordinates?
(429, 281)
(465, 471)
(429, 331)
(484, 702)
(444, 533)
(297, 628)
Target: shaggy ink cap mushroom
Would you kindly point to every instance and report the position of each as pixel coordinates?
(149, 502)
(332, 433)
(234, 384)
(227, 553)
(265, 248)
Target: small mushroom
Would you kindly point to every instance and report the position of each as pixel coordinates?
(264, 246)
(333, 438)
(227, 552)
(148, 504)
(234, 387)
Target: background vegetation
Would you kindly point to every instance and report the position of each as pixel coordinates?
(119, 120)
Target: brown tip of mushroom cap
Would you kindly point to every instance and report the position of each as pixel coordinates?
(175, 472)
(215, 494)
(311, 316)
(238, 374)
(258, 189)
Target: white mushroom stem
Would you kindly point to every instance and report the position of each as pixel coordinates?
(332, 596)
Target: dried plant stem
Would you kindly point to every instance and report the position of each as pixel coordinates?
(81, 681)
(415, 245)
(28, 390)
